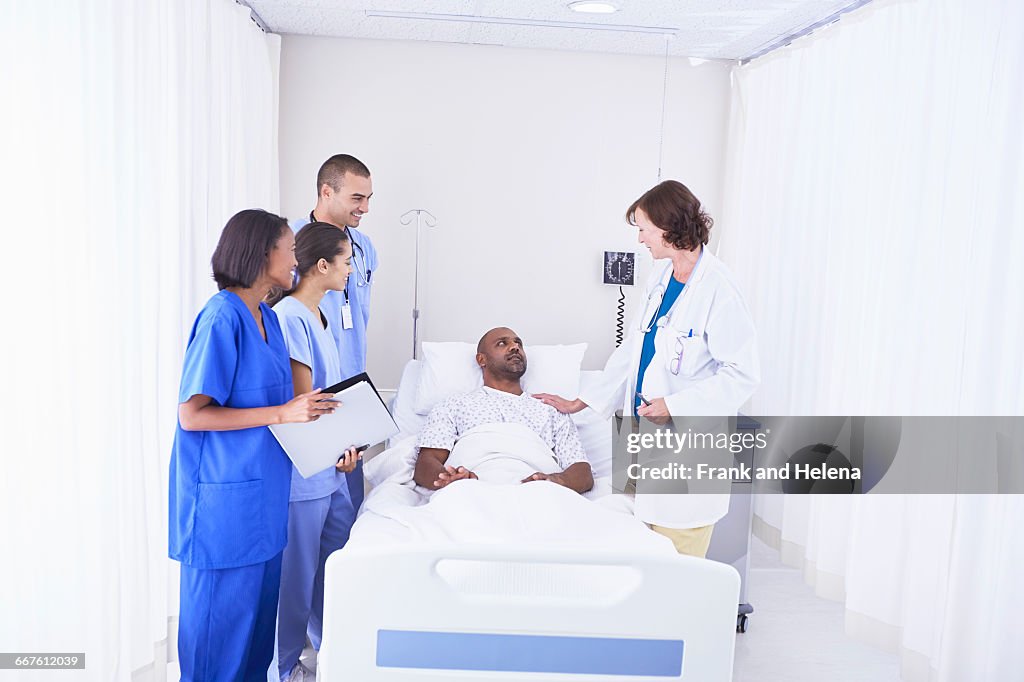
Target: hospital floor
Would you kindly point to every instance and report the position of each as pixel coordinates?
(797, 636)
(793, 635)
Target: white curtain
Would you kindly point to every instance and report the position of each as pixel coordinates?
(875, 220)
(130, 132)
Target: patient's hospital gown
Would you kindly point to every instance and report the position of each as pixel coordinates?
(486, 405)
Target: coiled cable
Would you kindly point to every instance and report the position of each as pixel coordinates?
(620, 317)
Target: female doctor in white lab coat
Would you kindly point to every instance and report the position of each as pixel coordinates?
(691, 351)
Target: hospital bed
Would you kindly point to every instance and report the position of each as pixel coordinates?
(396, 609)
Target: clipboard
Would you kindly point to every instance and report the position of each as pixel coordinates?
(362, 420)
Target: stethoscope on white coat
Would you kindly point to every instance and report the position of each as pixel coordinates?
(648, 321)
(651, 310)
(654, 300)
(362, 278)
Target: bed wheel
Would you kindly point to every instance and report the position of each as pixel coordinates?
(741, 623)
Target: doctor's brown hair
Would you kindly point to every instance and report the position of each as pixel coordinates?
(673, 208)
(313, 242)
(244, 247)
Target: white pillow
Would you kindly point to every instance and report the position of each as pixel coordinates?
(400, 458)
(554, 369)
(449, 368)
(403, 407)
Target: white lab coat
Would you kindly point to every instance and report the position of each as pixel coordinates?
(719, 372)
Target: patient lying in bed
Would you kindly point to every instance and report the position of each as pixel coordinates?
(554, 453)
(529, 468)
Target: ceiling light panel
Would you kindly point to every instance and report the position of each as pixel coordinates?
(523, 21)
(588, 7)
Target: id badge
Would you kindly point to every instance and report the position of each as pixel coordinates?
(346, 316)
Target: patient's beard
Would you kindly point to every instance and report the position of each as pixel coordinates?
(508, 371)
(513, 370)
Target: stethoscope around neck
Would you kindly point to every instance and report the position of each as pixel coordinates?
(362, 278)
(650, 319)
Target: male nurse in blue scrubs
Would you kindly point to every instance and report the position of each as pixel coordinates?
(344, 188)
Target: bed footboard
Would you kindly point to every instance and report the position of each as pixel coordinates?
(501, 613)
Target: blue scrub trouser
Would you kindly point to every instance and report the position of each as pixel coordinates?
(226, 627)
(355, 485)
(315, 529)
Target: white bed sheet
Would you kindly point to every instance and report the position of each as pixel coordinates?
(372, 529)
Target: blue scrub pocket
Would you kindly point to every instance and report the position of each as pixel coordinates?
(230, 527)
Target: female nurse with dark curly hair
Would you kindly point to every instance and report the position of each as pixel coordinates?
(691, 350)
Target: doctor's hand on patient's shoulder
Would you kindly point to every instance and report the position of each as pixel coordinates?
(450, 475)
(656, 413)
(307, 407)
(347, 462)
(561, 404)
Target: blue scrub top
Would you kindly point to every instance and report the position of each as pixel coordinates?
(351, 342)
(229, 489)
(672, 291)
(314, 346)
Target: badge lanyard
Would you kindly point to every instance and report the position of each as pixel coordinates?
(362, 279)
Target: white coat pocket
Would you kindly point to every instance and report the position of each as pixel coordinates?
(687, 353)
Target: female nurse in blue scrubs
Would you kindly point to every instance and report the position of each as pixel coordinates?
(229, 478)
(320, 509)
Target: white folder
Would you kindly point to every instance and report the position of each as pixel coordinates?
(361, 420)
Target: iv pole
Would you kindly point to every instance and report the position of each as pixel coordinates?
(427, 217)
(664, 97)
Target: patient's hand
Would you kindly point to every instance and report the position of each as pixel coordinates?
(450, 475)
(578, 477)
(554, 478)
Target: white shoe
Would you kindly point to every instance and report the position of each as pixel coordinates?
(299, 674)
